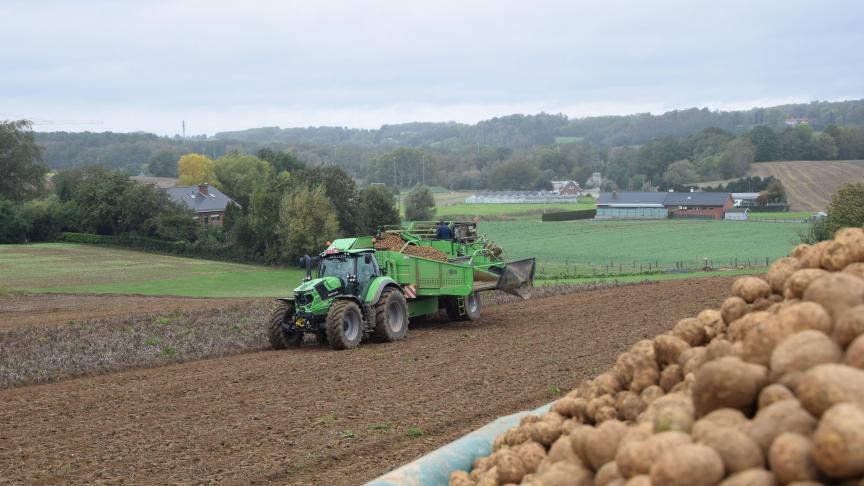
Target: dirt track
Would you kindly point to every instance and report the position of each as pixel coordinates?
(315, 416)
(24, 310)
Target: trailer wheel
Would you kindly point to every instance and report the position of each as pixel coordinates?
(472, 307)
(279, 339)
(343, 325)
(471, 304)
(391, 316)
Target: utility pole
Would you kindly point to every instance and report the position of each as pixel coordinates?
(184, 129)
(396, 187)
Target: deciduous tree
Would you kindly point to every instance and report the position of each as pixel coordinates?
(239, 175)
(22, 174)
(376, 209)
(307, 220)
(196, 169)
(846, 208)
(419, 204)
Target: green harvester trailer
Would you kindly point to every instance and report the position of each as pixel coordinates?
(353, 292)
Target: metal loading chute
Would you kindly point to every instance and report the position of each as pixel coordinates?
(510, 277)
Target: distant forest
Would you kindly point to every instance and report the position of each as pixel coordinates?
(511, 152)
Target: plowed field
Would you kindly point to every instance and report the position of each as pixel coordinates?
(315, 416)
(23, 310)
(809, 185)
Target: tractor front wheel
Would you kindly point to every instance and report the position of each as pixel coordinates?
(391, 316)
(280, 339)
(344, 325)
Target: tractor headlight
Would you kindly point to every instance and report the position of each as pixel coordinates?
(303, 299)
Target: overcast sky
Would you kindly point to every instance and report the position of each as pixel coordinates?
(226, 65)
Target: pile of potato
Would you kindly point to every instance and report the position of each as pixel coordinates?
(389, 242)
(766, 390)
(394, 242)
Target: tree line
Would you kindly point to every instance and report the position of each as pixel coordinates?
(285, 207)
(518, 152)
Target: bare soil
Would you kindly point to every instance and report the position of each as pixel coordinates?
(315, 416)
(20, 310)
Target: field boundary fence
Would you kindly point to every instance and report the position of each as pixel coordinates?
(567, 269)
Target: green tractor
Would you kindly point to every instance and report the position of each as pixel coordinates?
(359, 293)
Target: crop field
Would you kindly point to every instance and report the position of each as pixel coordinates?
(664, 243)
(296, 416)
(810, 184)
(74, 268)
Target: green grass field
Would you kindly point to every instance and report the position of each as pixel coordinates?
(663, 242)
(584, 247)
(73, 268)
(780, 215)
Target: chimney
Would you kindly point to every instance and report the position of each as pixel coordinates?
(204, 189)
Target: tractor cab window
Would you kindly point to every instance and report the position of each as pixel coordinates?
(366, 271)
(337, 267)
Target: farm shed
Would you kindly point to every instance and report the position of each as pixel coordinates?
(703, 205)
(517, 197)
(631, 205)
(744, 199)
(207, 202)
(737, 214)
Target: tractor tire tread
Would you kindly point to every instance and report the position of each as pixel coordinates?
(382, 332)
(275, 334)
(333, 325)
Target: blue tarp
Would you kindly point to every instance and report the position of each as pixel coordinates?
(434, 468)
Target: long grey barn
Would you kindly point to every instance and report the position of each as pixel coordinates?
(661, 205)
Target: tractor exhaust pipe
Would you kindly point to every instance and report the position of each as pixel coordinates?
(306, 261)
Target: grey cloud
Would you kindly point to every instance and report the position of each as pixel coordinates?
(253, 63)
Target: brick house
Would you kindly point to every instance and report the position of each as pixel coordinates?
(711, 205)
(570, 188)
(207, 202)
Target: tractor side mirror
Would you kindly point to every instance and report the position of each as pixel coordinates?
(367, 258)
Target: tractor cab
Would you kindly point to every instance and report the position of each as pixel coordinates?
(354, 269)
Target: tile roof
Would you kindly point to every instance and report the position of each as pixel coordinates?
(631, 199)
(696, 198)
(215, 200)
(658, 199)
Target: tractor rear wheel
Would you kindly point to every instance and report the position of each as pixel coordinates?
(391, 316)
(344, 325)
(280, 339)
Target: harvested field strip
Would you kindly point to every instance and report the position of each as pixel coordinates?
(31, 353)
(17, 310)
(42, 353)
(315, 416)
(810, 184)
